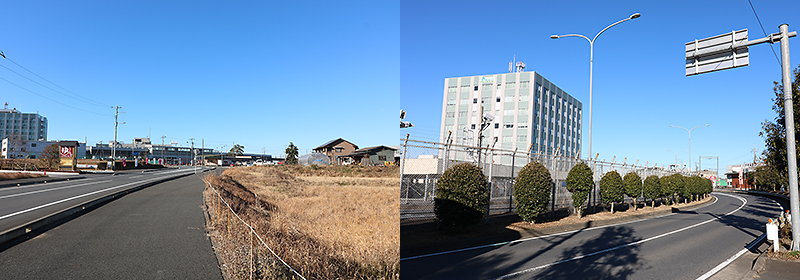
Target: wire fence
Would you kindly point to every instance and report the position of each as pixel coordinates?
(423, 162)
(237, 241)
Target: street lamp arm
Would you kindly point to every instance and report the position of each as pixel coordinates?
(571, 35)
(636, 15)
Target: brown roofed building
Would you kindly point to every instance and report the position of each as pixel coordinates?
(335, 148)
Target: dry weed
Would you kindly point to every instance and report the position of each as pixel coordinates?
(328, 223)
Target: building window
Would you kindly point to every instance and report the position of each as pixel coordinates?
(498, 99)
(473, 126)
(522, 125)
(508, 125)
(382, 157)
(476, 88)
(523, 111)
(510, 85)
(524, 84)
(522, 138)
(452, 89)
(523, 98)
(464, 101)
(462, 114)
(450, 115)
(506, 138)
(497, 125)
(509, 112)
(464, 89)
(474, 101)
(451, 102)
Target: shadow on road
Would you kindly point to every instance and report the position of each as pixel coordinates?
(609, 256)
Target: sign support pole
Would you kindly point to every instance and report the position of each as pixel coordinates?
(790, 137)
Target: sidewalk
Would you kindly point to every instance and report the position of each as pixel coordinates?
(755, 265)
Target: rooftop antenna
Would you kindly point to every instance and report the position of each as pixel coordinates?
(520, 66)
(5, 106)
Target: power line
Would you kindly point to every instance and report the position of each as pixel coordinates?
(29, 79)
(765, 32)
(45, 97)
(40, 77)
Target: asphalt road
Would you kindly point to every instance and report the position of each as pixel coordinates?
(682, 245)
(21, 205)
(155, 233)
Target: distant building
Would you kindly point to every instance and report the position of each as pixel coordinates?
(18, 126)
(737, 176)
(335, 148)
(142, 148)
(32, 149)
(377, 155)
(524, 111)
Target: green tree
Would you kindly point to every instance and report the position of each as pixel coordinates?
(532, 190)
(669, 186)
(50, 157)
(651, 188)
(291, 154)
(768, 178)
(580, 183)
(774, 132)
(236, 150)
(611, 189)
(633, 187)
(461, 196)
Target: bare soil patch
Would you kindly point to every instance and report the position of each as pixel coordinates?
(18, 175)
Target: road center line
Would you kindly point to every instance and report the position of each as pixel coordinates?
(52, 189)
(744, 202)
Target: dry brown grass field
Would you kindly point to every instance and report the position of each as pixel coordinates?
(334, 222)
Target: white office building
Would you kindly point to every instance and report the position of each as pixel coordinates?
(20, 126)
(526, 111)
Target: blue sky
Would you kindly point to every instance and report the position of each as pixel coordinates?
(257, 73)
(640, 87)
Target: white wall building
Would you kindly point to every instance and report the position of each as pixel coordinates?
(22, 126)
(527, 110)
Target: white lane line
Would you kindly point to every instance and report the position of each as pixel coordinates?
(538, 237)
(42, 184)
(52, 189)
(736, 256)
(74, 197)
(744, 202)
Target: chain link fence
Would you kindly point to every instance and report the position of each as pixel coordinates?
(423, 162)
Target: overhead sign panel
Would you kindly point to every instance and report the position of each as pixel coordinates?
(716, 53)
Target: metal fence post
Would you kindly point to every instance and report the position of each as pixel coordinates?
(403, 166)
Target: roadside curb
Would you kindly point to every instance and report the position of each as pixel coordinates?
(30, 181)
(511, 235)
(23, 231)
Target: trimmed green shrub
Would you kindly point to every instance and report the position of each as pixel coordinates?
(651, 188)
(580, 183)
(461, 196)
(611, 189)
(668, 187)
(633, 187)
(532, 190)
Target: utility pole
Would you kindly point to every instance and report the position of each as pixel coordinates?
(202, 150)
(191, 152)
(114, 147)
(163, 160)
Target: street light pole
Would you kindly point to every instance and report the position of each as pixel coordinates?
(591, 67)
(690, 141)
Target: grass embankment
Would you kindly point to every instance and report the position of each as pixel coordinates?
(337, 222)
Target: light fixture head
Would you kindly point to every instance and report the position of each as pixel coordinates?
(553, 36)
(636, 15)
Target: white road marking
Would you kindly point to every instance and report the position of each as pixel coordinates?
(74, 197)
(52, 189)
(736, 256)
(534, 238)
(744, 202)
